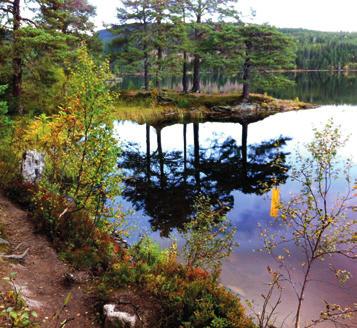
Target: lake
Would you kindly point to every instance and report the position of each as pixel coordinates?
(236, 166)
(318, 87)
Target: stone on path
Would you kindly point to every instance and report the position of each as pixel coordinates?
(115, 318)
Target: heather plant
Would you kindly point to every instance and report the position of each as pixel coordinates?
(188, 296)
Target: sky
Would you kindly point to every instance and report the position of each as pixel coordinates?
(323, 15)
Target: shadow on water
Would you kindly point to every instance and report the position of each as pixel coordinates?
(164, 184)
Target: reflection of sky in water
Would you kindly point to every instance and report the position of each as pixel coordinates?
(245, 268)
(296, 125)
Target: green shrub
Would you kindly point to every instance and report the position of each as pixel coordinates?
(7, 159)
(146, 251)
(13, 309)
(209, 237)
(122, 274)
(183, 103)
(4, 119)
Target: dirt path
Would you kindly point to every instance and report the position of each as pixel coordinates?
(40, 274)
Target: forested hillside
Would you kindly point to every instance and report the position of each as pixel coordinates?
(324, 50)
(316, 50)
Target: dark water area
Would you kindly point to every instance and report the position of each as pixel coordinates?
(316, 87)
(237, 166)
(321, 88)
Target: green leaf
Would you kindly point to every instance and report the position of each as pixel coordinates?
(13, 315)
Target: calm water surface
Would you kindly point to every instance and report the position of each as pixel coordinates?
(318, 87)
(166, 167)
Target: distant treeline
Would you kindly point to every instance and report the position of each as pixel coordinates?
(316, 50)
(324, 50)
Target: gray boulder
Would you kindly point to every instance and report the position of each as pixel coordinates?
(33, 164)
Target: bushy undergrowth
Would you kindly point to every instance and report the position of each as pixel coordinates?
(74, 199)
(69, 201)
(189, 296)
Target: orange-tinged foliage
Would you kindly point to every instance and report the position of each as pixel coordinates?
(80, 176)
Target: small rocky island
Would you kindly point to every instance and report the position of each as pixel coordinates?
(171, 107)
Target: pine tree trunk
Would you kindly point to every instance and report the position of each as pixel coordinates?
(184, 73)
(196, 63)
(196, 74)
(246, 79)
(159, 48)
(161, 158)
(146, 60)
(17, 60)
(159, 68)
(148, 153)
(146, 71)
(185, 147)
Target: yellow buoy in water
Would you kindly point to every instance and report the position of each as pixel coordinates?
(275, 202)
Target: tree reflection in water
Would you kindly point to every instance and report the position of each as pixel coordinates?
(165, 184)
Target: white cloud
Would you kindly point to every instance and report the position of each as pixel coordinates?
(325, 15)
(106, 11)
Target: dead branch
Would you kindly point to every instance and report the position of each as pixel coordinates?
(63, 213)
(14, 256)
(17, 247)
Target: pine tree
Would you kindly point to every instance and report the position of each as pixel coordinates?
(39, 47)
(161, 30)
(12, 19)
(265, 49)
(202, 12)
(67, 16)
(134, 34)
(179, 13)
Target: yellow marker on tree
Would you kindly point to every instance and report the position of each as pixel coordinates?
(275, 202)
